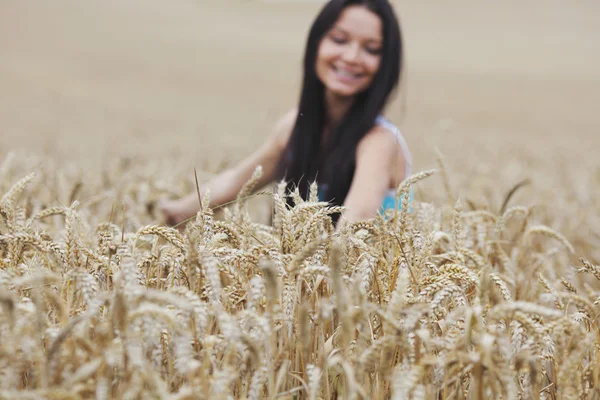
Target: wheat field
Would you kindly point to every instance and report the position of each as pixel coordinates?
(488, 288)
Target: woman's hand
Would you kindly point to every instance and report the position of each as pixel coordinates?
(177, 211)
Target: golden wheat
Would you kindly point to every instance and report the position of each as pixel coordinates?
(444, 301)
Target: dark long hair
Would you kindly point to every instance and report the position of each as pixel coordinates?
(303, 160)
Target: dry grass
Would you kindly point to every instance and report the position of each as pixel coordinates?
(448, 301)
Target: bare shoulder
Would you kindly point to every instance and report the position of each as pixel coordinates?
(378, 140)
(381, 149)
(283, 127)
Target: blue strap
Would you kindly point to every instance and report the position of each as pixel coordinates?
(389, 202)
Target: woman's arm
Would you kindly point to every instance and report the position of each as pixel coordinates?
(379, 163)
(225, 186)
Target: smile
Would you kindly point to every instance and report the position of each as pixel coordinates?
(346, 76)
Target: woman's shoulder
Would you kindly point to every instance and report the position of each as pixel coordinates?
(385, 123)
(383, 133)
(389, 134)
(283, 127)
(287, 119)
(384, 140)
(379, 140)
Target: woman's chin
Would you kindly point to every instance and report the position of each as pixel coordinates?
(342, 91)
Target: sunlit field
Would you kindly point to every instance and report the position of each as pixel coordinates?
(488, 288)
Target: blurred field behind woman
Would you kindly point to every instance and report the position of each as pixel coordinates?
(506, 91)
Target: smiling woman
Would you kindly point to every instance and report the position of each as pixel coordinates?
(349, 55)
(337, 135)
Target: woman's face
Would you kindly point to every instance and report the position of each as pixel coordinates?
(349, 54)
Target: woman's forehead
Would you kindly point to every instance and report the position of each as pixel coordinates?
(360, 22)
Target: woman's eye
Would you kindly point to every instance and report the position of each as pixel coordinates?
(338, 40)
(374, 51)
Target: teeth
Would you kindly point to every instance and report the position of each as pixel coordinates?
(346, 74)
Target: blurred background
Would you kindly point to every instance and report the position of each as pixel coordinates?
(205, 78)
(506, 90)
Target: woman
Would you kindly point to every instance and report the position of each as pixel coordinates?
(336, 135)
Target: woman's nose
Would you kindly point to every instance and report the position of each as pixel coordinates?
(351, 53)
